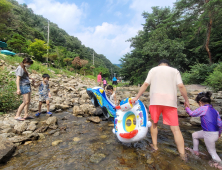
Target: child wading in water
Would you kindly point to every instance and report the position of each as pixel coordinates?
(211, 124)
(104, 83)
(110, 91)
(44, 94)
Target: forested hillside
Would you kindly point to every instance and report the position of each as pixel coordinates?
(26, 32)
(189, 35)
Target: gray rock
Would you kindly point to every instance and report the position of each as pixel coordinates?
(94, 119)
(61, 106)
(7, 130)
(98, 112)
(6, 151)
(56, 134)
(195, 121)
(85, 96)
(18, 139)
(32, 127)
(26, 133)
(97, 157)
(21, 127)
(52, 132)
(51, 120)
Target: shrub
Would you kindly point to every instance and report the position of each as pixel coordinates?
(8, 98)
(198, 73)
(214, 80)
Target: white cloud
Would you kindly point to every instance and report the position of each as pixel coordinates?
(65, 15)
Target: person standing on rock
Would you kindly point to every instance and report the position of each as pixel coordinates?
(23, 88)
(163, 81)
(211, 124)
(44, 94)
(99, 78)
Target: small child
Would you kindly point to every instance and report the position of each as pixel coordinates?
(211, 124)
(110, 91)
(44, 94)
(104, 83)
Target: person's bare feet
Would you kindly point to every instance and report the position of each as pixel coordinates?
(154, 147)
(183, 157)
(192, 151)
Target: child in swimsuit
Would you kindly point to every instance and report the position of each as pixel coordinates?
(211, 124)
(112, 94)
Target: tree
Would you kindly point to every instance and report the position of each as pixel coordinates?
(76, 62)
(67, 61)
(38, 49)
(18, 43)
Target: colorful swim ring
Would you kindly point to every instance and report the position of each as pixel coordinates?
(131, 121)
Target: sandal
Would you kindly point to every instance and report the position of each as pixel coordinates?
(37, 114)
(19, 119)
(28, 117)
(49, 113)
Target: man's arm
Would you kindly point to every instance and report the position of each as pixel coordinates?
(183, 92)
(141, 91)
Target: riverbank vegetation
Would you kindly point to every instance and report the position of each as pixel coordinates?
(189, 36)
(26, 32)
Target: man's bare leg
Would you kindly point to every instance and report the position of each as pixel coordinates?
(154, 133)
(178, 137)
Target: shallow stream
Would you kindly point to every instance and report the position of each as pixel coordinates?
(96, 147)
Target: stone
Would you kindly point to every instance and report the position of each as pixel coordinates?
(195, 121)
(84, 108)
(32, 127)
(18, 139)
(186, 124)
(111, 125)
(41, 129)
(41, 136)
(28, 142)
(76, 139)
(127, 95)
(97, 157)
(150, 161)
(92, 111)
(7, 130)
(51, 120)
(76, 110)
(6, 151)
(21, 127)
(183, 113)
(26, 133)
(52, 132)
(56, 142)
(85, 96)
(98, 112)
(56, 134)
(94, 119)
(61, 106)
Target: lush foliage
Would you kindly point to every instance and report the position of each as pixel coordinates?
(186, 35)
(215, 79)
(8, 98)
(26, 32)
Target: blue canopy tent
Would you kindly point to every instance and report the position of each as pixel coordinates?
(6, 52)
(3, 44)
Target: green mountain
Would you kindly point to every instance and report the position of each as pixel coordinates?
(19, 19)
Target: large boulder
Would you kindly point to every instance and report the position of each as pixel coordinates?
(32, 126)
(76, 110)
(6, 151)
(85, 108)
(61, 106)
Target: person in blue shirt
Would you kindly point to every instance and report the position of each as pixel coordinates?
(114, 83)
(211, 124)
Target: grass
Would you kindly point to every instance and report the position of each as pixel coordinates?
(36, 66)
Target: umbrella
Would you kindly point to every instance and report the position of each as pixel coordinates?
(3, 44)
(6, 52)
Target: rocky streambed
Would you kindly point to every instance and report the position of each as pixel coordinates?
(77, 138)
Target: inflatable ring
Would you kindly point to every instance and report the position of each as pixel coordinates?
(99, 98)
(131, 122)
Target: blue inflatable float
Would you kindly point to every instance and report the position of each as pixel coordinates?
(130, 119)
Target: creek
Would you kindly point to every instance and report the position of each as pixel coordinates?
(85, 145)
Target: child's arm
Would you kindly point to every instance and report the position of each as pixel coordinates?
(219, 123)
(36, 85)
(115, 99)
(198, 112)
(49, 94)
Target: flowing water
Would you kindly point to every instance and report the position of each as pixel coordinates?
(96, 147)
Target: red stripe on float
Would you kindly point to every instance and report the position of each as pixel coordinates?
(129, 135)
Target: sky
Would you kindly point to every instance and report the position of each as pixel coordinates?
(103, 25)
